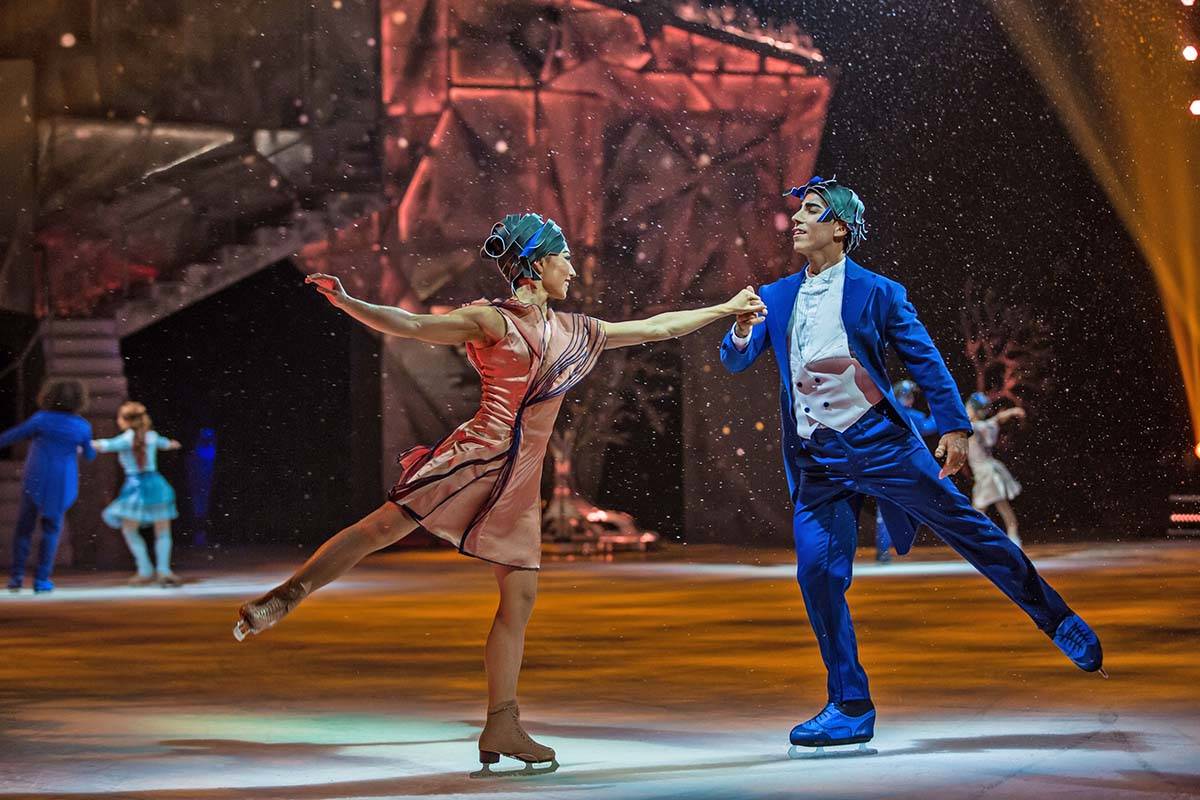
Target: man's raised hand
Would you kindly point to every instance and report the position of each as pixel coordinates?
(752, 313)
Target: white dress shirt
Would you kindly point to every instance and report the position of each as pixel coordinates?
(829, 382)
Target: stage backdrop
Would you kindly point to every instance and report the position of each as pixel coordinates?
(661, 139)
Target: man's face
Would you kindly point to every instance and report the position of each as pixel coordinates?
(809, 234)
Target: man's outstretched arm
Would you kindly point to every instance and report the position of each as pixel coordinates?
(744, 341)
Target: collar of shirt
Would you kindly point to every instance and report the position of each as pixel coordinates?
(825, 276)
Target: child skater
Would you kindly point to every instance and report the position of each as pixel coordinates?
(146, 498)
(51, 475)
(994, 484)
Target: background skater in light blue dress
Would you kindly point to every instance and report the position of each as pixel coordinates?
(146, 498)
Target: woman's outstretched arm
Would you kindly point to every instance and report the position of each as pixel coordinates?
(477, 324)
(679, 323)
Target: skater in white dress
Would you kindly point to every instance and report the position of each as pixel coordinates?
(994, 484)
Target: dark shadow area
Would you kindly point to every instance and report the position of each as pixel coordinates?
(289, 388)
(15, 332)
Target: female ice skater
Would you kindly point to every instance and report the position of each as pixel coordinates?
(994, 484)
(146, 498)
(51, 475)
(478, 488)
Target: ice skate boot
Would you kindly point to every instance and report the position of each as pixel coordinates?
(835, 729)
(140, 580)
(1080, 644)
(169, 580)
(504, 736)
(263, 613)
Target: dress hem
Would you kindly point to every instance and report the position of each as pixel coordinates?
(457, 547)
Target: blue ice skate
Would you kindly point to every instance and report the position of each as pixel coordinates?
(1080, 644)
(832, 728)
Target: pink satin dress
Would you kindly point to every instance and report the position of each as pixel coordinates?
(480, 487)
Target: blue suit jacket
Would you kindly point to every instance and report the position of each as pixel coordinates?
(51, 475)
(876, 313)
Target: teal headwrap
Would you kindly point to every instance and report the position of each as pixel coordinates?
(519, 240)
(841, 203)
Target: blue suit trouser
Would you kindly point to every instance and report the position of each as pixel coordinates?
(880, 458)
(27, 519)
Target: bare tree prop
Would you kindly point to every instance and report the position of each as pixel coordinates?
(1009, 347)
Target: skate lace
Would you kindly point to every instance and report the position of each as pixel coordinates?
(826, 714)
(525, 737)
(275, 606)
(1075, 636)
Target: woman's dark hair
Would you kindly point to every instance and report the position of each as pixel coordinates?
(63, 395)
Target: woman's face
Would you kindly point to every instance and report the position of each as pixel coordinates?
(557, 273)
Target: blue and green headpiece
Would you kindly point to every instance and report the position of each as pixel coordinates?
(905, 388)
(518, 241)
(978, 401)
(841, 202)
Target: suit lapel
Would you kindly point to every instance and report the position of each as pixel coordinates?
(789, 287)
(785, 306)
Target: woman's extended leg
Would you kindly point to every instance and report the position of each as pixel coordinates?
(384, 526)
(503, 734)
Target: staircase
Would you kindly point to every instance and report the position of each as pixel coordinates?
(261, 248)
(88, 350)
(10, 501)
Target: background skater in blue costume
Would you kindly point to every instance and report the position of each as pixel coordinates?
(50, 482)
(845, 436)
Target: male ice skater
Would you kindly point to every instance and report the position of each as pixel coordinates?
(906, 394)
(845, 435)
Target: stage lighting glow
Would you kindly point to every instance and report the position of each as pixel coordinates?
(1197, 450)
(1100, 64)
(67, 39)
(1189, 2)
(1189, 52)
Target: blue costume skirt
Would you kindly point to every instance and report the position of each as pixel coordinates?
(146, 497)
